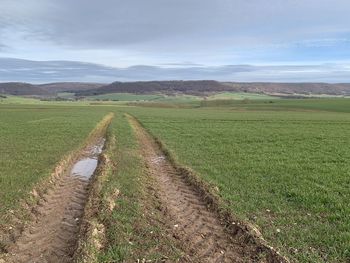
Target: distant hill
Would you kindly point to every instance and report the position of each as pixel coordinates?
(209, 86)
(50, 89)
(291, 88)
(19, 88)
(167, 87)
(200, 88)
(69, 86)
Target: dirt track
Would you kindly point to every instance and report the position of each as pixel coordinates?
(53, 236)
(203, 235)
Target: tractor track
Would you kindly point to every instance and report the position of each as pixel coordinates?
(52, 237)
(203, 235)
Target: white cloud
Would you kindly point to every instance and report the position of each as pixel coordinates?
(122, 33)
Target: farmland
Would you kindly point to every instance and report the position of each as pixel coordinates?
(137, 214)
(175, 131)
(240, 96)
(334, 105)
(124, 97)
(282, 166)
(33, 139)
(179, 97)
(286, 172)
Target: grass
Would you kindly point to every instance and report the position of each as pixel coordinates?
(337, 105)
(161, 98)
(285, 171)
(125, 97)
(17, 100)
(66, 95)
(240, 96)
(179, 98)
(33, 139)
(282, 165)
(334, 104)
(132, 235)
(120, 222)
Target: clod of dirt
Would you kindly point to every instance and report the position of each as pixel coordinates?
(98, 234)
(111, 200)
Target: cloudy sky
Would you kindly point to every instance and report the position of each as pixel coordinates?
(289, 38)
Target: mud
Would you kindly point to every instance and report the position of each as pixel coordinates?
(52, 238)
(203, 235)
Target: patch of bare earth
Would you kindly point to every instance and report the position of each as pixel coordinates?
(53, 235)
(203, 235)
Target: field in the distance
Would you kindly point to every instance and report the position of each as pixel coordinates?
(286, 171)
(178, 97)
(240, 96)
(333, 105)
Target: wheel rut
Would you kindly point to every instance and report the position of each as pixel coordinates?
(53, 236)
(203, 235)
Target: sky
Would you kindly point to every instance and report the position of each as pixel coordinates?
(275, 40)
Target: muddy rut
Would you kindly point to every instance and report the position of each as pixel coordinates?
(199, 229)
(53, 236)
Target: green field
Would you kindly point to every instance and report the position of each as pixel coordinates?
(17, 100)
(178, 98)
(125, 97)
(66, 95)
(33, 139)
(285, 171)
(240, 96)
(282, 165)
(337, 105)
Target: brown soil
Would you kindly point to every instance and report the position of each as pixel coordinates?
(53, 236)
(53, 232)
(203, 234)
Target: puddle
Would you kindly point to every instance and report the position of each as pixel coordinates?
(86, 167)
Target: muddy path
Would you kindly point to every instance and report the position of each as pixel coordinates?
(203, 235)
(53, 236)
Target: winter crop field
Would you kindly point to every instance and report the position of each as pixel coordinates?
(280, 166)
(33, 140)
(286, 171)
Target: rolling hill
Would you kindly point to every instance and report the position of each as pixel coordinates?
(50, 89)
(167, 87)
(69, 86)
(22, 89)
(198, 88)
(291, 88)
(205, 87)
